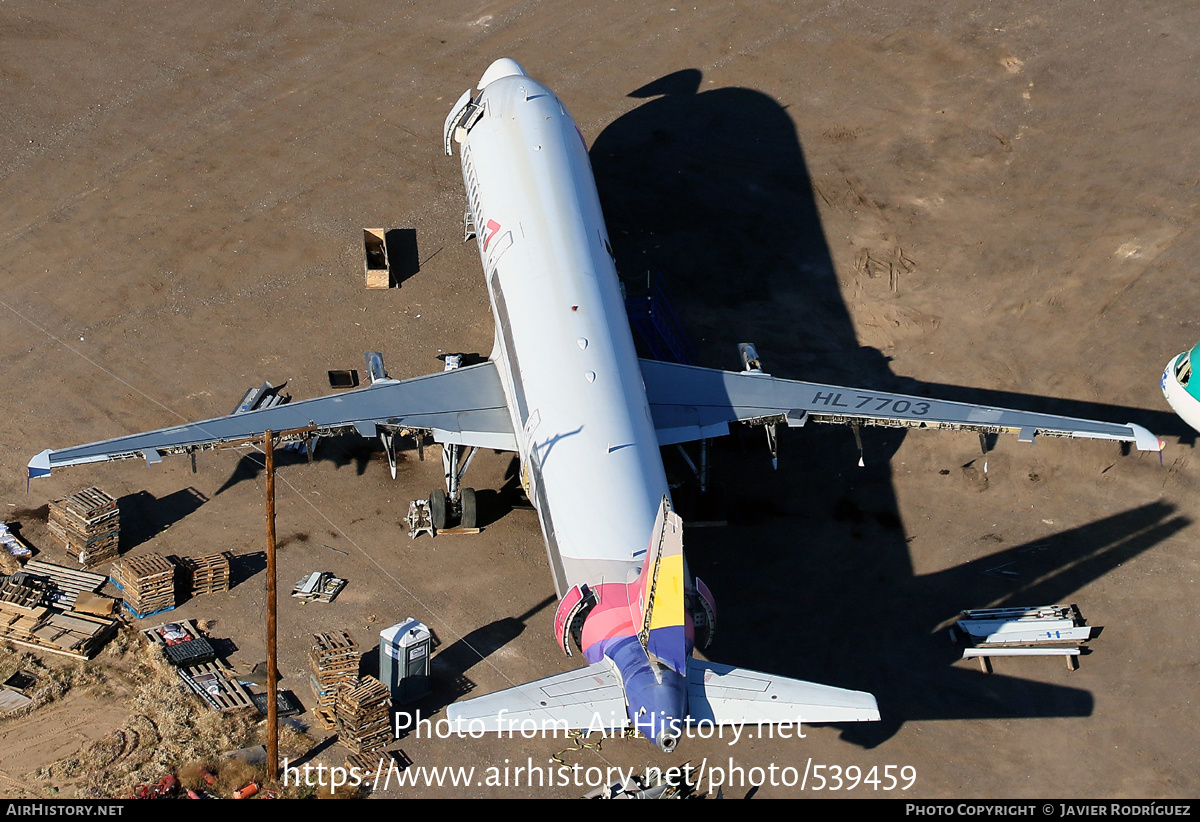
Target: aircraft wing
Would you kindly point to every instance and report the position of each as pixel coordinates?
(690, 403)
(724, 695)
(584, 698)
(464, 406)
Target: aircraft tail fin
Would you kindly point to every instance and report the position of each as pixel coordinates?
(662, 623)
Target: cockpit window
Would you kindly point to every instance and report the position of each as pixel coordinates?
(1183, 369)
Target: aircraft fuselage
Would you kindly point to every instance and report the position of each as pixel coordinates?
(588, 448)
(589, 453)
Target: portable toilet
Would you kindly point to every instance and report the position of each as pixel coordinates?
(404, 651)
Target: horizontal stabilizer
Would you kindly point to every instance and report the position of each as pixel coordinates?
(585, 698)
(724, 695)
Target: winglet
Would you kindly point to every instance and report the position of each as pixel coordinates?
(1144, 440)
(39, 466)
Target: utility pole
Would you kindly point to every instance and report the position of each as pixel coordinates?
(272, 670)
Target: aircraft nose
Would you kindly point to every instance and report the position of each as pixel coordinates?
(504, 67)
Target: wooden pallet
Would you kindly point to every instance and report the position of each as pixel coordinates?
(364, 714)
(334, 658)
(217, 686)
(206, 574)
(88, 522)
(24, 589)
(66, 583)
(333, 651)
(326, 718)
(86, 506)
(48, 629)
(147, 581)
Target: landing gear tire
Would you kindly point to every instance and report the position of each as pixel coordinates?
(437, 508)
(470, 508)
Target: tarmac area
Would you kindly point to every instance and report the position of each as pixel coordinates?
(992, 203)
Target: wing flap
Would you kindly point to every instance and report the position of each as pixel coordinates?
(688, 403)
(465, 406)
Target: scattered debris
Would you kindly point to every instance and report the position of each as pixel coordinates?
(167, 787)
(246, 792)
(670, 784)
(12, 550)
(182, 643)
(420, 519)
(1048, 630)
(319, 586)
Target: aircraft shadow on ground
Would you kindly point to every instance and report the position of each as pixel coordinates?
(342, 451)
(711, 191)
(449, 667)
(144, 517)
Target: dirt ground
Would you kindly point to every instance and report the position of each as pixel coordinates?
(992, 204)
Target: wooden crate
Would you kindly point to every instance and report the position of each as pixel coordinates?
(375, 258)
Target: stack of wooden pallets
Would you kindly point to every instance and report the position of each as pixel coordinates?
(363, 715)
(89, 523)
(208, 574)
(24, 590)
(65, 585)
(48, 629)
(147, 583)
(334, 659)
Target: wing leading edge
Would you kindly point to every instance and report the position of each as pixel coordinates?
(464, 406)
(690, 403)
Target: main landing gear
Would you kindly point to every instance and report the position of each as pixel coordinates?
(455, 503)
(444, 508)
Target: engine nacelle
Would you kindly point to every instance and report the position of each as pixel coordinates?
(704, 614)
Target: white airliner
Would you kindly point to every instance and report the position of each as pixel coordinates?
(564, 388)
(1179, 387)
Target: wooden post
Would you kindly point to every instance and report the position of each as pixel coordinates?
(272, 670)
